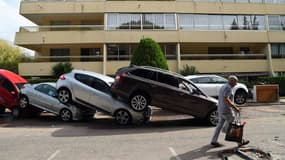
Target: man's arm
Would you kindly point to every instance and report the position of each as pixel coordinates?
(229, 103)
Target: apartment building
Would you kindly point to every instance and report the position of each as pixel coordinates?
(246, 37)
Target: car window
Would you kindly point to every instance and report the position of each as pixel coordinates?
(144, 74)
(100, 85)
(47, 89)
(84, 79)
(1, 78)
(167, 79)
(185, 85)
(8, 86)
(220, 80)
(194, 80)
(204, 80)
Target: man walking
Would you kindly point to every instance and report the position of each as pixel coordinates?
(226, 109)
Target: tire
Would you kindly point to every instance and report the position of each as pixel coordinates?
(2, 110)
(213, 118)
(24, 102)
(240, 97)
(123, 117)
(64, 95)
(139, 102)
(15, 112)
(65, 115)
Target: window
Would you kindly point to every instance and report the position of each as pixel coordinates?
(119, 51)
(83, 79)
(99, 85)
(47, 89)
(186, 21)
(220, 50)
(59, 54)
(201, 22)
(167, 79)
(144, 74)
(60, 25)
(278, 50)
(274, 22)
(8, 86)
(141, 21)
(90, 54)
(169, 50)
(215, 22)
(230, 22)
(219, 80)
(204, 80)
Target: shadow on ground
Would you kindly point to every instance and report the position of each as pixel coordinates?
(104, 125)
(202, 152)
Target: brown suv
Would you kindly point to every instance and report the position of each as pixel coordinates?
(143, 86)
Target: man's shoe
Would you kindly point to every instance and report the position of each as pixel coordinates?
(243, 142)
(216, 144)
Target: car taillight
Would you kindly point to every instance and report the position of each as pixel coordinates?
(62, 77)
(119, 78)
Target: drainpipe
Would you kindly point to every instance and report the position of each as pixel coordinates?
(178, 57)
(104, 59)
(269, 57)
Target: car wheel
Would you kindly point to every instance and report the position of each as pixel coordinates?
(24, 102)
(240, 97)
(123, 117)
(147, 115)
(15, 112)
(64, 95)
(139, 102)
(2, 110)
(213, 118)
(65, 115)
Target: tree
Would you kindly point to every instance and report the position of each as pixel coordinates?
(149, 53)
(10, 56)
(188, 70)
(61, 68)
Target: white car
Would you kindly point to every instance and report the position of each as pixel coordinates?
(93, 90)
(211, 85)
(44, 97)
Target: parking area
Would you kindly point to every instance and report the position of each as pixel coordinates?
(167, 136)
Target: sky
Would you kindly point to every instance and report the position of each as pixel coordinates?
(11, 20)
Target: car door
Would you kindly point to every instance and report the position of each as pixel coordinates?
(101, 95)
(46, 97)
(191, 100)
(8, 93)
(207, 86)
(83, 88)
(164, 91)
(219, 81)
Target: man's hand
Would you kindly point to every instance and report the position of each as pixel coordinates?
(236, 109)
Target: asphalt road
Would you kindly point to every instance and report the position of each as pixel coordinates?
(167, 137)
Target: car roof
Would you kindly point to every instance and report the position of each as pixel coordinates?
(105, 78)
(201, 75)
(13, 77)
(159, 70)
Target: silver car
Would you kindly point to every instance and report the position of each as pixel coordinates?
(93, 90)
(44, 96)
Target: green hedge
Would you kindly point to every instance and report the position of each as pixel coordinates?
(40, 80)
(280, 80)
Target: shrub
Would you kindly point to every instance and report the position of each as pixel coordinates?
(149, 53)
(61, 68)
(280, 80)
(188, 70)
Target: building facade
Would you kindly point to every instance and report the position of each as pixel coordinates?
(216, 36)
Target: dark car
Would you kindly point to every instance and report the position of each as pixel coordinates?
(10, 84)
(143, 86)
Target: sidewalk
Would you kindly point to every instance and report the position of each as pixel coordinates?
(251, 103)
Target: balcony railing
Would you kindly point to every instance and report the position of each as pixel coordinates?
(61, 28)
(221, 56)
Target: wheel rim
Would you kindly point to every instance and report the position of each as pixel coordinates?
(65, 115)
(214, 118)
(122, 117)
(138, 102)
(63, 96)
(240, 98)
(23, 102)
